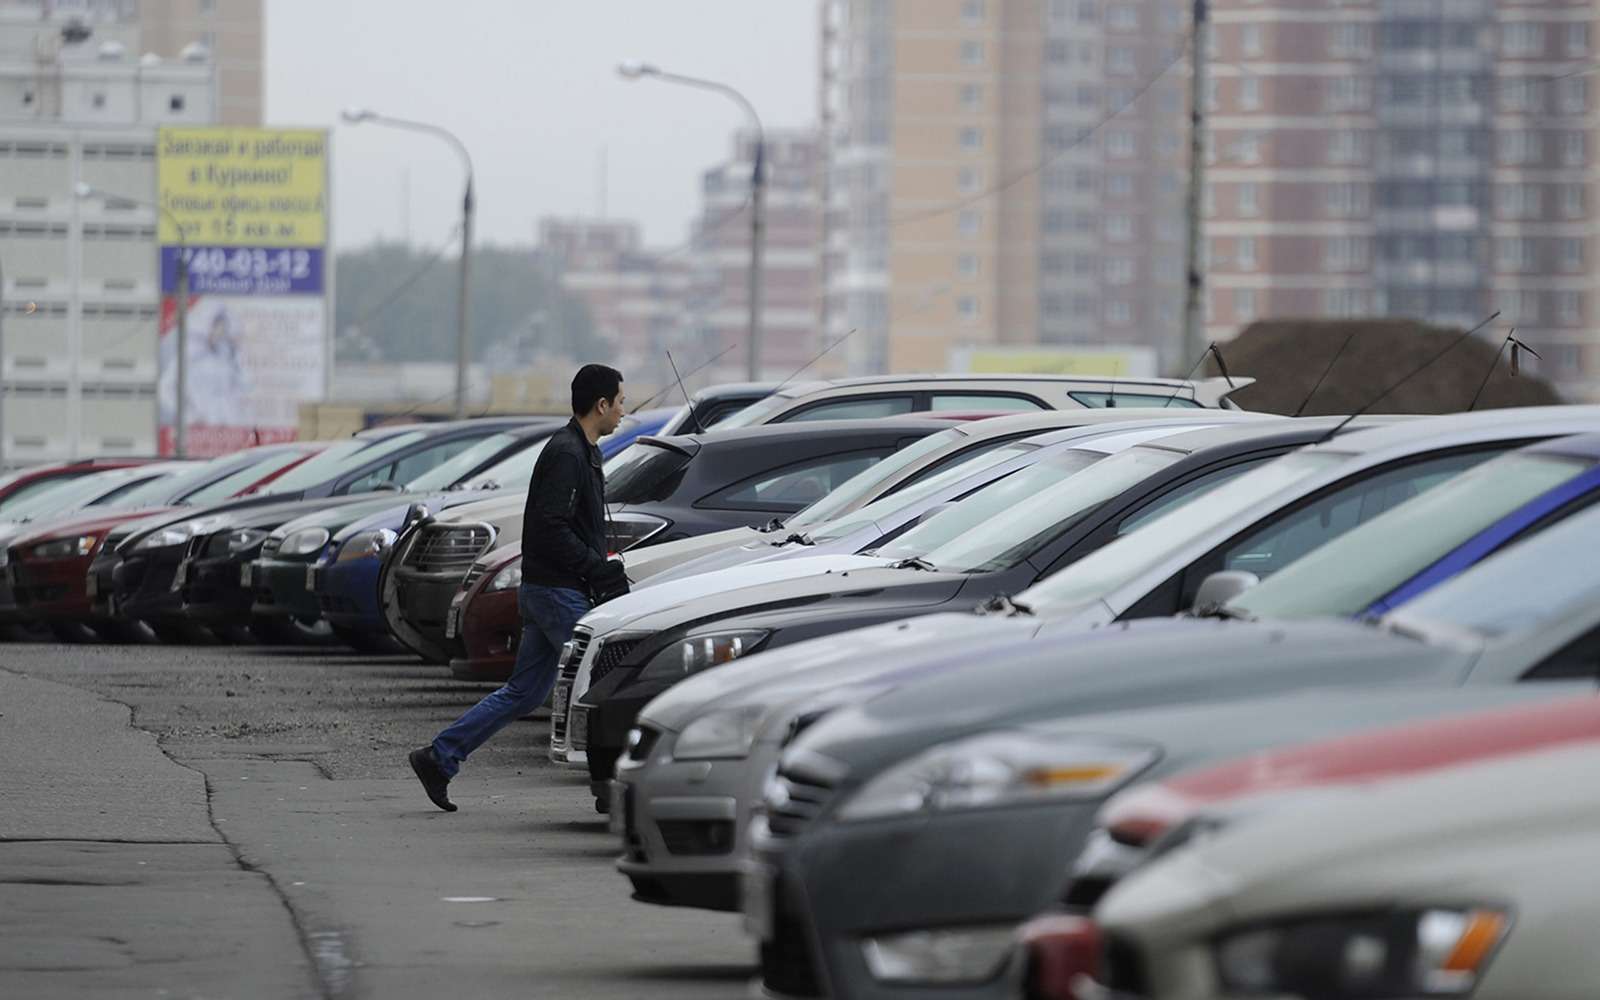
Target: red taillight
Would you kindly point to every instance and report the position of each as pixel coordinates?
(1062, 953)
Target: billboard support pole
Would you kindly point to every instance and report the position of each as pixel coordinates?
(180, 435)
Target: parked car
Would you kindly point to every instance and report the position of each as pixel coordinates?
(51, 562)
(1468, 880)
(485, 615)
(845, 788)
(897, 395)
(635, 426)
(20, 484)
(713, 405)
(895, 476)
(657, 490)
(136, 570)
(1021, 532)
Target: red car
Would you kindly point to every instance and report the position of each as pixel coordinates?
(484, 613)
(49, 566)
(1064, 950)
(25, 482)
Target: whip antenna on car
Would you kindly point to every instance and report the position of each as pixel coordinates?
(1517, 347)
(1321, 378)
(818, 357)
(1408, 375)
(675, 375)
(668, 387)
(1211, 349)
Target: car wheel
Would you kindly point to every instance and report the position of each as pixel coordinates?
(291, 632)
(73, 632)
(180, 633)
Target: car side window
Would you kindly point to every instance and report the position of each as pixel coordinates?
(1577, 660)
(1203, 483)
(29, 489)
(370, 481)
(1269, 549)
(412, 466)
(950, 402)
(1132, 400)
(795, 486)
(855, 409)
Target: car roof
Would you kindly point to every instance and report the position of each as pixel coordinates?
(927, 424)
(1291, 431)
(796, 390)
(1468, 428)
(1199, 421)
(1576, 445)
(728, 389)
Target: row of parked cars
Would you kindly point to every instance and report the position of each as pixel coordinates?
(969, 686)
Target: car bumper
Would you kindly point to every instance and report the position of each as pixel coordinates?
(214, 589)
(347, 595)
(835, 886)
(53, 589)
(490, 629)
(422, 602)
(284, 589)
(143, 586)
(684, 825)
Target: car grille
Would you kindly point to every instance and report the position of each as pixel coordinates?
(610, 658)
(786, 964)
(448, 548)
(270, 547)
(581, 637)
(697, 837)
(474, 574)
(793, 800)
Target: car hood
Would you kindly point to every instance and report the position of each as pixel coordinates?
(260, 517)
(638, 608)
(643, 564)
(508, 503)
(393, 515)
(886, 653)
(29, 532)
(1126, 666)
(821, 584)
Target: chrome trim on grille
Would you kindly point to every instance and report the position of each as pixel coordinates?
(448, 548)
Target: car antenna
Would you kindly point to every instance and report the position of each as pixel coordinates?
(1517, 347)
(1331, 361)
(1222, 366)
(1408, 375)
(668, 387)
(818, 357)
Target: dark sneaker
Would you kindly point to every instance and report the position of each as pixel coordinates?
(432, 777)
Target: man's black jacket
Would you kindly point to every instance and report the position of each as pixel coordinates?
(564, 524)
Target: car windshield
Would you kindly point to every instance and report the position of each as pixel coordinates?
(71, 494)
(346, 456)
(756, 413)
(163, 489)
(513, 472)
(867, 484)
(1539, 580)
(996, 527)
(1100, 572)
(447, 474)
(1346, 575)
(235, 483)
(883, 510)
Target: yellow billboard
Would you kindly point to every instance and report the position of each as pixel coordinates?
(247, 187)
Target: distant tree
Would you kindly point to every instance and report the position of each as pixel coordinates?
(394, 303)
(1286, 357)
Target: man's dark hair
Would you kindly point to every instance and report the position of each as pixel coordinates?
(592, 384)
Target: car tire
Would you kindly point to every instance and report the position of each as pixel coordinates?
(180, 633)
(72, 632)
(291, 632)
(366, 642)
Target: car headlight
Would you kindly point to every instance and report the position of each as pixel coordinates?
(65, 548)
(245, 539)
(998, 769)
(698, 652)
(176, 534)
(946, 956)
(366, 545)
(723, 734)
(509, 578)
(1416, 953)
(304, 542)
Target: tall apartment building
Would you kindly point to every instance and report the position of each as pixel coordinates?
(1002, 174)
(80, 291)
(1425, 158)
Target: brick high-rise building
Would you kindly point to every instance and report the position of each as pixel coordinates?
(1432, 159)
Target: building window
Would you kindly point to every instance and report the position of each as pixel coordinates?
(1345, 201)
(1250, 39)
(1344, 146)
(971, 138)
(208, 6)
(967, 179)
(967, 265)
(1123, 18)
(1121, 145)
(1119, 313)
(967, 307)
(1520, 93)
(175, 103)
(1119, 185)
(1522, 38)
(98, 99)
(1348, 93)
(1514, 255)
(1517, 201)
(1344, 302)
(1247, 148)
(1519, 146)
(1249, 199)
(1575, 95)
(1577, 39)
(971, 96)
(1208, 201)
(1119, 271)
(1350, 40)
(1345, 253)
(1571, 254)
(972, 11)
(1244, 253)
(972, 53)
(1572, 201)
(1119, 59)
(1250, 93)
(1244, 304)
(969, 221)
(1088, 11)
(1573, 149)
(1521, 308)
(1119, 228)
(1569, 308)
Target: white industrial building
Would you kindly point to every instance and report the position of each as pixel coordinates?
(80, 292)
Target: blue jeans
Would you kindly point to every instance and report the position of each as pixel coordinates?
(548, 617)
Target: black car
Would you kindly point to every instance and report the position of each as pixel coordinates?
(658, 490)
(1144, 482)
(714, 404)
(136, 573)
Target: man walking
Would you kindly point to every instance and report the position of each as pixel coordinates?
(564, 573)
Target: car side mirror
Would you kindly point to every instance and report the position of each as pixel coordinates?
(1221, 588)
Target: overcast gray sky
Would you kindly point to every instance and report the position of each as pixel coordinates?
(531, 88)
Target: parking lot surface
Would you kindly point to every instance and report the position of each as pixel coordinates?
(241, 822)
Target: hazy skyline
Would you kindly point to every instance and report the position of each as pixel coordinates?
(532, 90)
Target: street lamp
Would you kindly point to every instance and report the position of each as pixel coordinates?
(633, 70)
(181, 414)
(362, 116)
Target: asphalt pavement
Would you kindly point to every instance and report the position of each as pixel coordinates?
(240, 822)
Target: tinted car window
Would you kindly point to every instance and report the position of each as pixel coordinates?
(1132, 400)
(342, 457)
(756, 413)
(516, 471)
(867, 482)
(983, 401)
(644, 473)
(1183, 494)
(246, 477)
(445, 474)
(70, 494)
(852, 409)
(1266, 551)
(797, 485)
(1348, 574)
(31, 489)
(412, 466)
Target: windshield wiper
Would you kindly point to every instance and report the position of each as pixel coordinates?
(1005, 604)
(915, 562)
(798, 538)
(1224, 612)
(776, 524)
